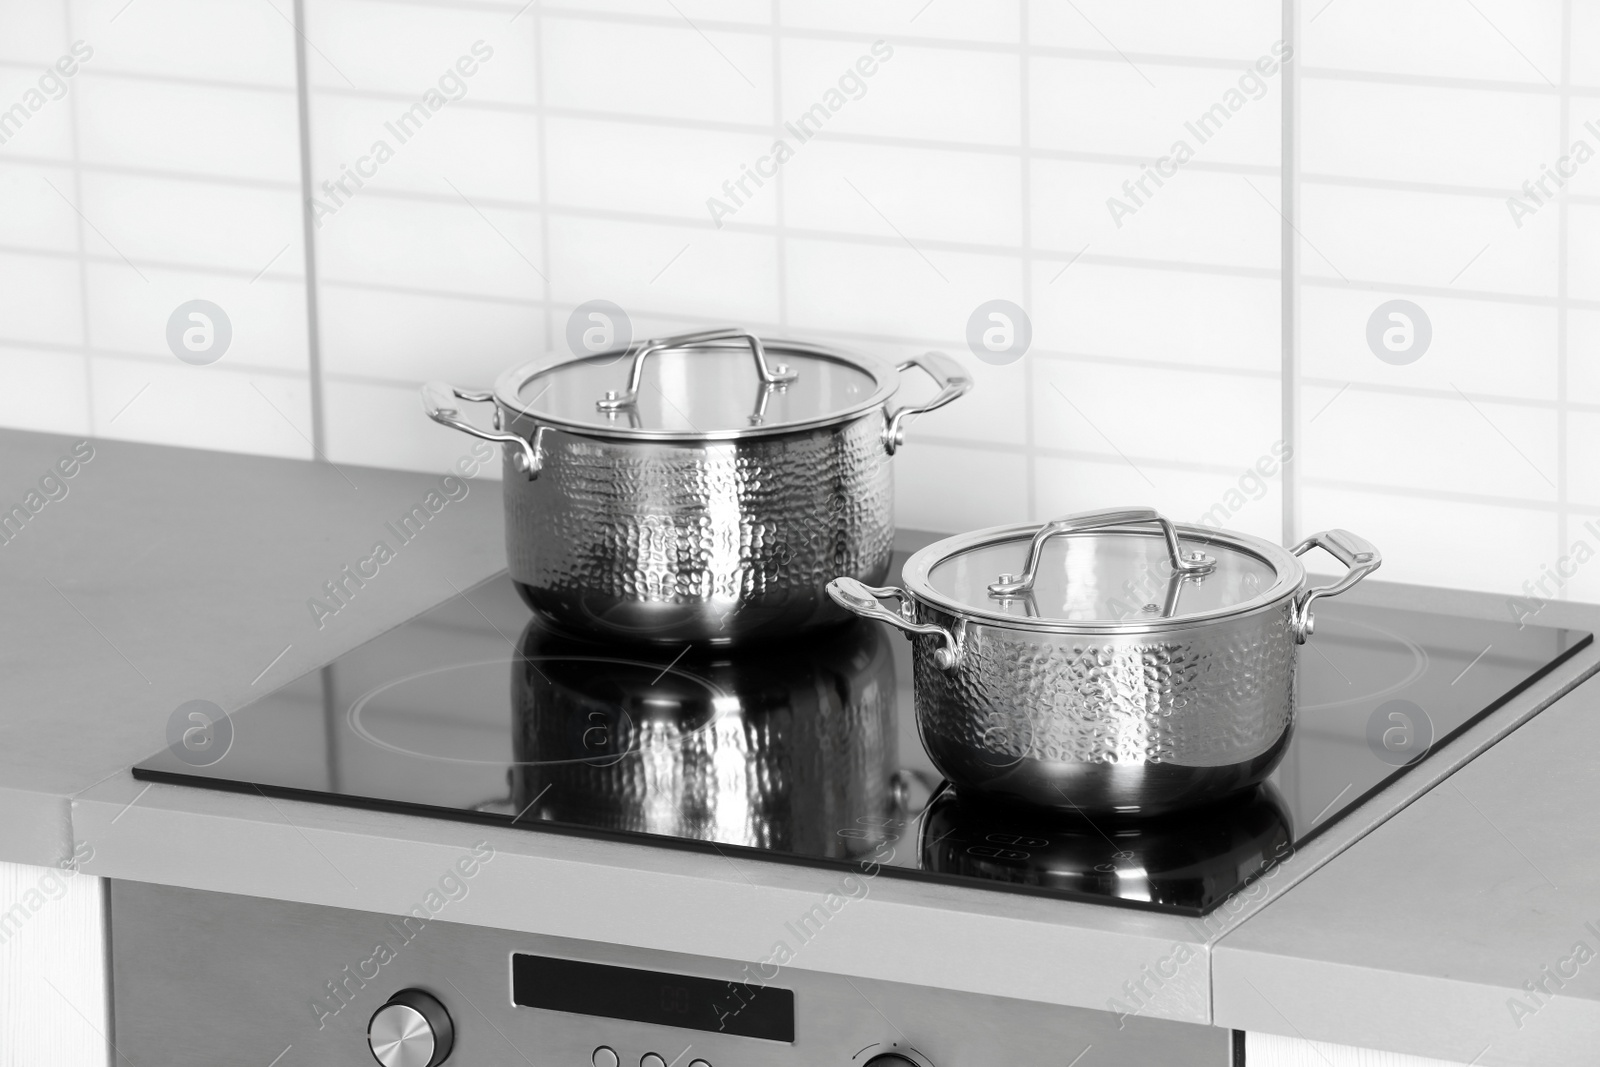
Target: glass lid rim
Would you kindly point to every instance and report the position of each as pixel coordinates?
(508, 388)
(916, 577)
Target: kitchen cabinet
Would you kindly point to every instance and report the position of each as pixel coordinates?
(52, 968)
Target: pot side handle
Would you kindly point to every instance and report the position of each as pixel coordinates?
(1354, 551)
(863, 600)
(953, 380)
(439, 404)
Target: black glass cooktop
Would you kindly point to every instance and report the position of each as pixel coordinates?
(808, 752)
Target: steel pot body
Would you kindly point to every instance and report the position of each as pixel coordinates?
(1109, 723)
(717, 541)
(1148, 715)
(624, 521)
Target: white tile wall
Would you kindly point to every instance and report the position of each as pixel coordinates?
(166, 169)
(1417, 121)
(575, 161)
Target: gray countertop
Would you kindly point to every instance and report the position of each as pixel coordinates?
(167, 575)
(1419, 937)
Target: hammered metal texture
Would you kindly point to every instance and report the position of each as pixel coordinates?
(703, 542)
(799, 744)
(1134, 722)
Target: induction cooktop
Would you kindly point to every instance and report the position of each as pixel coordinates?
(807, 752)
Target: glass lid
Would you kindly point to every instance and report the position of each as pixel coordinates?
(716, 384)
(1126, 568)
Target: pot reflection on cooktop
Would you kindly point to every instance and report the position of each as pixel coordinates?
(767, 749)
(808, 753)
(1184, 860)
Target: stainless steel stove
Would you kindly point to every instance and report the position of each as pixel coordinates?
(798, 753)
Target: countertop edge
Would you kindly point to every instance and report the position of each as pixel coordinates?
(732, 908)
(1416, 1014)
(36, 828)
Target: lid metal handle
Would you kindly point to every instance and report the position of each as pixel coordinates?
(1354, 551)
(781, 374)
(1191, 565)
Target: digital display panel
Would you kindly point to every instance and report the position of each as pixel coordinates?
(764, 1012)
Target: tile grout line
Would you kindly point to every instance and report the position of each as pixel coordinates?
(1173, 60)
(1440, 81)
(83, 251)
(1189, 61)
(544, 186)
(686, 226)
(308, 236)
(1563, 308)
(1209, 370)
(1289, 282)
(1025, 143)
(825, 136)
(1152, 266)
(780, 230)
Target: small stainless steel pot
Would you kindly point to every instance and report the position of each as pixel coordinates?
(1109, 661)
(682, 498)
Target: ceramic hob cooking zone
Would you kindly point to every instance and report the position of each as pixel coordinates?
(806, 751)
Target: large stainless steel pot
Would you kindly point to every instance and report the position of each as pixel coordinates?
(769, 748)
(1108, 661)
(679, 497)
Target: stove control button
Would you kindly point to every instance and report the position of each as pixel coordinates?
(412, 1030)
(650, 1059)
(902, 1057)
(604, 1056)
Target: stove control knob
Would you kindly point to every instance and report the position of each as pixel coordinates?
(900, 1057)
(412, 1030)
